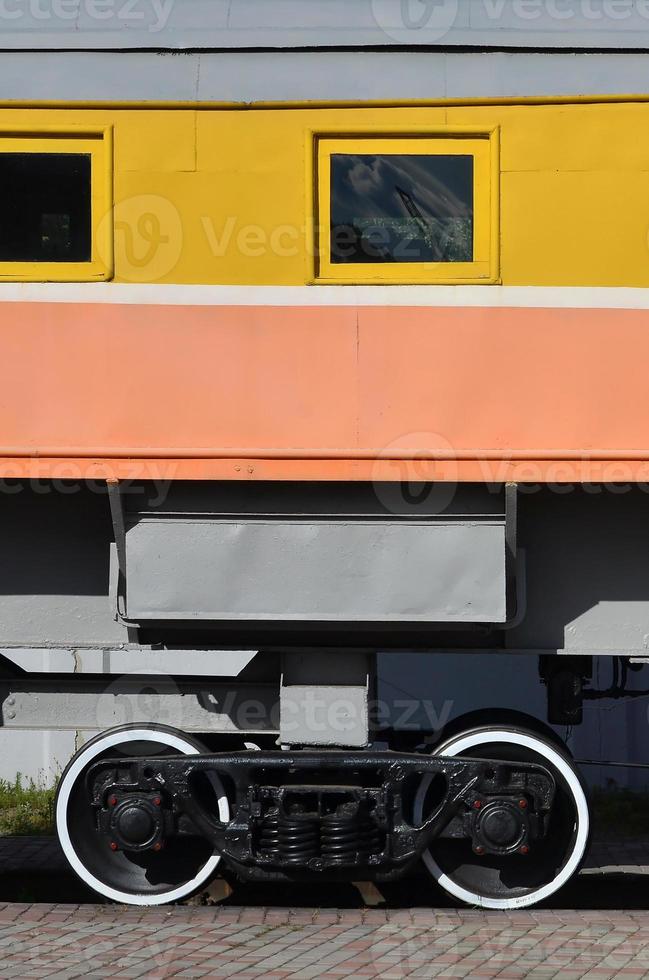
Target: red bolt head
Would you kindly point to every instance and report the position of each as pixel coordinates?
(157, 801)
(478, 850)
(114, 846)
(113, 801)
(522, 804)
(477, 804)
(157, 846)
(523, 849)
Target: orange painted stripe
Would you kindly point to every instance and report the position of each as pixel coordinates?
(347, 392)
(415, 471)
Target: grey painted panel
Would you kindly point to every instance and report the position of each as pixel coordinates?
(339, 571)
(320, 76)
(130, 660)
(505, 75)
(90, 706)
(317, 715)
(225, 24)
(242, 77)
(81, 76)
(61, 620)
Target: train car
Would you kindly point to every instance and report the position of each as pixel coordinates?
(324, 454)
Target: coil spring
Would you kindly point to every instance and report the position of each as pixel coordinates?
(345, 836)
(298, 840)
(269, 836)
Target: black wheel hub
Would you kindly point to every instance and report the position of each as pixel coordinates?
(136, 823)
(501, 827)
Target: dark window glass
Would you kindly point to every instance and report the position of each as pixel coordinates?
(401, 208)
(45, 207)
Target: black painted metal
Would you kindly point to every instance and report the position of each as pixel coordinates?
(327, 812)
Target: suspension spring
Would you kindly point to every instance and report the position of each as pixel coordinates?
(345, 837)
(269, 836)
(298, 839)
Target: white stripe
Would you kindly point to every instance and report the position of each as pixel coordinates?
(524, 297)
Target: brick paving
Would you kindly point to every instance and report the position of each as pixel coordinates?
(65, 941)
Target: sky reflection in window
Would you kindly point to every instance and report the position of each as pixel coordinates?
(401, 208)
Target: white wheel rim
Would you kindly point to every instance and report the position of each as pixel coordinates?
(463, 743)
(81, 761)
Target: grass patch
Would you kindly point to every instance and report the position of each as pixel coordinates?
(26, 808)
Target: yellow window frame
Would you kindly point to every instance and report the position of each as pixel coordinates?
(98, 144)
(482, 145)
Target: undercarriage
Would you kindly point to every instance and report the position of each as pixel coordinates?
(327, 813)
(145, 815)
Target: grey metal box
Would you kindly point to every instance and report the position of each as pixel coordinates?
(210, 568)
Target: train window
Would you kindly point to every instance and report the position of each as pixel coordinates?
(54, 193)
(406, 209)
(46, 207)
(401, 208)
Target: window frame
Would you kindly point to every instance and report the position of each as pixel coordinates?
(482, 144)
(97, 142)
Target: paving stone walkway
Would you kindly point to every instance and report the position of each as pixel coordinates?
(63, 941)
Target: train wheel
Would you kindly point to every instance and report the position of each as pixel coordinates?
(516, 881)
(146, 878)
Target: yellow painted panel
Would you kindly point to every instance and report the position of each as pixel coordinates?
(273, 139)
(583, 229)
(226, 195)
(145, 139)
(161, 140)
(566, 137)
(214, 228)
